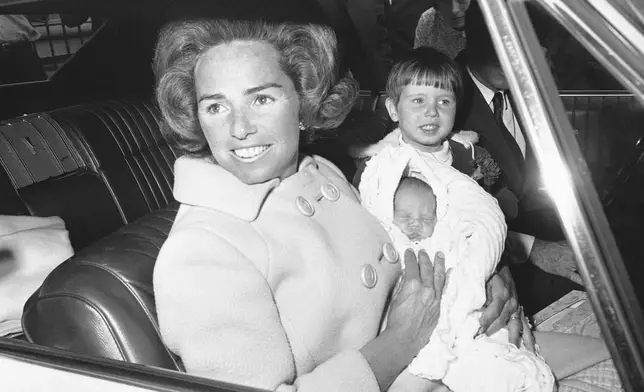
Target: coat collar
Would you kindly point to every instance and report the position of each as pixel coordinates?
(200, 182)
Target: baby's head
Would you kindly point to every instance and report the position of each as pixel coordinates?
(422, 96)
(415, 208)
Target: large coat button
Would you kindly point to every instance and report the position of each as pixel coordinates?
(304, 206)
(369, 276)
(330, 192)
(389, 253)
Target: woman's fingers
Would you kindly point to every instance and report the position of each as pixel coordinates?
(440, 277)
(528, 336)
(510, 308)
(411, 266)
(497, 297)
(427, 269)
(515, 330)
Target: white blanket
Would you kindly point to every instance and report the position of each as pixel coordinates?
(471, 231)
(30, 248)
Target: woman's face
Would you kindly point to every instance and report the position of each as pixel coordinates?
(248, 110)
(453, 12)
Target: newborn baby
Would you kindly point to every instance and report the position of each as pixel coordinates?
(431, 206)
(415, 209)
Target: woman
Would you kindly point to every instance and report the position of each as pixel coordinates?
(273, 275)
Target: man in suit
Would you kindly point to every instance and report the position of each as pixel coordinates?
(535, 231)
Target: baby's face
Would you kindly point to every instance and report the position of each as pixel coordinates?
(415, 212)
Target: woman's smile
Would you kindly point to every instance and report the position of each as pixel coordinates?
(251, 154)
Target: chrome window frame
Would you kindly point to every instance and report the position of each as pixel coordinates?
(565, 173)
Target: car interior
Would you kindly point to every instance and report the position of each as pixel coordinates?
(86, 145)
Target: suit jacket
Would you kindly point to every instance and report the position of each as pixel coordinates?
(537, 215)
(273, 285)
(363, 37)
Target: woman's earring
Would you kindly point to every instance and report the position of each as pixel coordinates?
(302, 126)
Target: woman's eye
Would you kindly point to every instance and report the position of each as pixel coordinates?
(263, 100)
(446, 102)
(418, 100)
(215, 108)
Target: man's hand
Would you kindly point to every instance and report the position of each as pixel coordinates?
(501, 304)
(555, 258)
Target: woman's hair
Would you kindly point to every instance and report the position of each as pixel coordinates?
(307, 54)
(426, 66)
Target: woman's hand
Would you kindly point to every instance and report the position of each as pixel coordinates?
(415, 306)
(501, 305)
(413, 315)
(502, 310)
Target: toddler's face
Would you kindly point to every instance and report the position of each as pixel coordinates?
(425, 115)
(415, 212)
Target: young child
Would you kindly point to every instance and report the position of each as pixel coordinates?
(428, 126)
(442, 209)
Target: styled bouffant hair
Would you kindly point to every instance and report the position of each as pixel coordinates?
(426, 66)
(308, 55)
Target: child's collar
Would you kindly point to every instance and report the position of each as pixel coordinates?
(444, 155)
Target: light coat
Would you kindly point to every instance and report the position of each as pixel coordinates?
(251, 290)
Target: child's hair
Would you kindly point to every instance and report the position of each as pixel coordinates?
(426, 66)
(413, 182)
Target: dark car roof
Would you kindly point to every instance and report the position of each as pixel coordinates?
(281, 10)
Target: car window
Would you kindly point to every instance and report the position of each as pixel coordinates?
(584, 113)
(36, 46)
(608, 122)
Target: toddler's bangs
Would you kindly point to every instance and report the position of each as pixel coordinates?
(442, 79)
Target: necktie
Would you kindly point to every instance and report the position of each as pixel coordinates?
(498, 102)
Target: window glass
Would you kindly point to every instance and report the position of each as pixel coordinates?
(608, 123)
(34, 47)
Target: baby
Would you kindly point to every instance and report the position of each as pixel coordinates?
(423, 202)
(415, 209)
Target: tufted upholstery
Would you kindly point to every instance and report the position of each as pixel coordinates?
(97, 166)
(122, 142)
(112, 173)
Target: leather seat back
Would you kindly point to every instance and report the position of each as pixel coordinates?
(101, 301)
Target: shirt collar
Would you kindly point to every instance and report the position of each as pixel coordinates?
(200, 182)
(487, 93)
